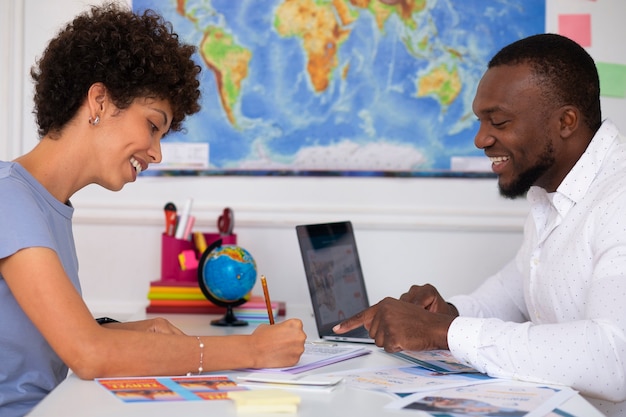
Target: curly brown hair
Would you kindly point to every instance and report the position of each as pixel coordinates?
(133, 55)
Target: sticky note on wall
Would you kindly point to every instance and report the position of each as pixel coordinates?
(612, 79)
(577, 27)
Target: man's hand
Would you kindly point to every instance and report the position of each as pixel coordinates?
(427, 297)
(364, 318)
(418, 321)
(398, 325)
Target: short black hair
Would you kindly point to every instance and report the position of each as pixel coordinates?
(563, 67)
(133, 55)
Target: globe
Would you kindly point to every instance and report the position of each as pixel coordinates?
(226, 275)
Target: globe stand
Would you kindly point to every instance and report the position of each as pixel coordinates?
(229, 319)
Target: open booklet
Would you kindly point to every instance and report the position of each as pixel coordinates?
(318, 354)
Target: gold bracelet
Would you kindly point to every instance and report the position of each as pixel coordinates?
(200, 368)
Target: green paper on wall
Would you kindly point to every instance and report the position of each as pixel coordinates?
(612, 79)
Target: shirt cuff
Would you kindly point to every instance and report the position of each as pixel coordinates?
(464, 341)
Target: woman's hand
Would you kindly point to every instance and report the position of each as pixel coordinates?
(278, 345)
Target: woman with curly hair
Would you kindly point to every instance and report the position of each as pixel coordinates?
(108, 88)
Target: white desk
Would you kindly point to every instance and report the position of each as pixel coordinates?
(75, 397)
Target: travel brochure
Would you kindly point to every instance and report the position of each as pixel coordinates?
(179, 388)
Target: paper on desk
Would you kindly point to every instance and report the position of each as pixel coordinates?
(510, 398)
(312, 383)
(289, 379)
(318, 355)
(403, 380)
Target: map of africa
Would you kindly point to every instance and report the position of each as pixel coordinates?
(340, 86)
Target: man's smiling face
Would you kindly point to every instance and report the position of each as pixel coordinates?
(515, 129)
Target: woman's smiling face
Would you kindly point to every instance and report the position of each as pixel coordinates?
(130, 140)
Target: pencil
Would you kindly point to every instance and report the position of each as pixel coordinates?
(268, 303)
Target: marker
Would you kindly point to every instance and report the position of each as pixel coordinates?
(268, 303)
(190, 222)
(199, 241)
(184, 218)
(170, 219)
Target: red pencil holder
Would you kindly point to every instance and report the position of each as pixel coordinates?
(172, 247)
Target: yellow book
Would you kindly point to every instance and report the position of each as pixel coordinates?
(265, 401)
(172, 289)
(175, 296)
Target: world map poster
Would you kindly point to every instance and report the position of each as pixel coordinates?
(342, 87)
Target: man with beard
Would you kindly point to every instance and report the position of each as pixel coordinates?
(557, 312)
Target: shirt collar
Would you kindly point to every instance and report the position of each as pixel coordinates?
(579, 179)
(577, 182)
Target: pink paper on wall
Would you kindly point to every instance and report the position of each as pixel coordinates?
(577, 27)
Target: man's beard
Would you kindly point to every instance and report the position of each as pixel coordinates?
(520, 186)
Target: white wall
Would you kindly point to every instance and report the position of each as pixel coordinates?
(11, 59)
(450, 232)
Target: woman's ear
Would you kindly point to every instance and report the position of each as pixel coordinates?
(96, 98)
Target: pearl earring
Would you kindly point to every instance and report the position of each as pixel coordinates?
(95, 121)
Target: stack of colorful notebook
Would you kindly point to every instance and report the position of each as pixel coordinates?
(179, 297)
(166, 297)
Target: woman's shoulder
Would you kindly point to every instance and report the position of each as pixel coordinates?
(6, 168)
(15, 186)
(27, 216)
(19, 189)
(13, 175)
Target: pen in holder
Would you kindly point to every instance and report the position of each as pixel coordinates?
(171, 248)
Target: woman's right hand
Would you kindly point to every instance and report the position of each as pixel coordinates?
(279, 345)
